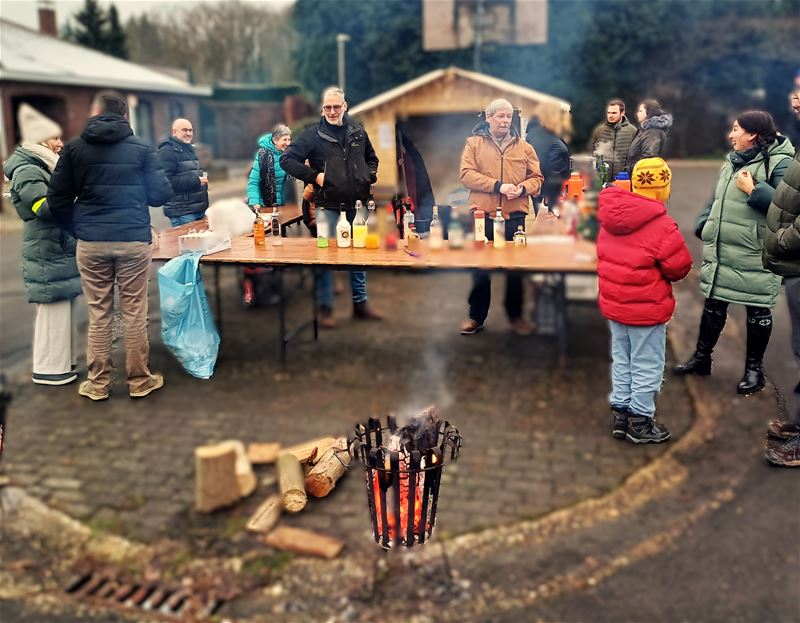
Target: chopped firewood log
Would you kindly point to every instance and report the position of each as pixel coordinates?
(263, 453)
(304, 542)
(322, 476)
(244, 470)
(290, 482)
(306, 451)
(216, 484)
(267, 515)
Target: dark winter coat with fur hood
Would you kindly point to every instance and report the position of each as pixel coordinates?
(649, 140)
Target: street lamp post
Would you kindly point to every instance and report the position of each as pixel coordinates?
(341, 40)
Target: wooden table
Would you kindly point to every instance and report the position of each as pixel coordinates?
(552, 258)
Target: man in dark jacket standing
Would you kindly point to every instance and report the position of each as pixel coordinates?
(190, 201)
(342, 165)
(613, 137)
(100, 190)
(553, 161)
(781, 254)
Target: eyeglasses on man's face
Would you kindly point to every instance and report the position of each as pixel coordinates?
(332, 108)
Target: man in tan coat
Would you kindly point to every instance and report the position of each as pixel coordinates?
(501, 170)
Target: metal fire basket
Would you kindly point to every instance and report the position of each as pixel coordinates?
(403, 479)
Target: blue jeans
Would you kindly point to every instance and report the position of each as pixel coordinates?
(358, 278)
(186, 218)
(637, 366)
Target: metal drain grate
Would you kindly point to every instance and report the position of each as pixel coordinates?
(170, 602)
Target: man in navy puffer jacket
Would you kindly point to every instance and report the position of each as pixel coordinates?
(100, 190)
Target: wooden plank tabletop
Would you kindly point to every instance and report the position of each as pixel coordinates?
(577, 256)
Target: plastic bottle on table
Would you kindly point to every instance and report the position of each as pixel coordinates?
(499, 230)
(436, 234)
(322, 229)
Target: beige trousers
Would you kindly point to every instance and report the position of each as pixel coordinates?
(102, 264)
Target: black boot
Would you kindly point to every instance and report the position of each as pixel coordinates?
(620, 425)
(759, 328)
(711, 324)
(646, 430)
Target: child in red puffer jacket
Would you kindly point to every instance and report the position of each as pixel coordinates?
(640, 253)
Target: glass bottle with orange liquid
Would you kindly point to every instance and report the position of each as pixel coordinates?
(373, 237)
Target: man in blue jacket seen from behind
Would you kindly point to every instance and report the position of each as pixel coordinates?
(100, 190)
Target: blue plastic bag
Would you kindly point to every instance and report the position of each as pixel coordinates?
(187, 326)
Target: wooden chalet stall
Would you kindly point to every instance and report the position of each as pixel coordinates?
(438, 111)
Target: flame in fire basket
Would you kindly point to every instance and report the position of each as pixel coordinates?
(404, 497)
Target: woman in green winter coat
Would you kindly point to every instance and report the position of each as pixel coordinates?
(49, 269)
(732, 230)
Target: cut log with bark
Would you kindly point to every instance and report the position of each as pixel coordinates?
(321, 477)
(267, 515)
(311, 449)
(304, 542)
(263, 453)
(290, 482)
(216, 484)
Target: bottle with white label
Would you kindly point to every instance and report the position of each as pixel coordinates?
(359, 227)
(436, 235)
(520, 238)
(408, 219)
(499, 230)
(343, 231)
(480, 229)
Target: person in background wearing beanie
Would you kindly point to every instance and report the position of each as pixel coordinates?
(190, 201)
(501, 171)
(640, 252)
(613, 137)
(732, 269)
(651, 137)
(48, 253)
(782, 257)
(101, 189)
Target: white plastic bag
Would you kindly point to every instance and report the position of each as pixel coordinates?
(230, 218)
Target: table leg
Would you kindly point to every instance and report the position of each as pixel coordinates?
(561, 320)
(281, 316)
(218, 298)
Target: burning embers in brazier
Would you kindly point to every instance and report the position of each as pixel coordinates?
(403, 467)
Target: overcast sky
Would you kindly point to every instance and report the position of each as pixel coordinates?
(25, 12)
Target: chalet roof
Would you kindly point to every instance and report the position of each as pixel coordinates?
(27, 55)
(437, 74)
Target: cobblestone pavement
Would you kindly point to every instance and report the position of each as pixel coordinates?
(535, 439)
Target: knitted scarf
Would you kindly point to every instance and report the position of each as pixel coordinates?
(266, 179)
(45, 154)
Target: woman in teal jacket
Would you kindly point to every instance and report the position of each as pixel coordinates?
(267, 178)
(49, 269)
(265, 186)
(732, 230)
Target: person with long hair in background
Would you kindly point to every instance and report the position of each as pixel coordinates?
(651, 137)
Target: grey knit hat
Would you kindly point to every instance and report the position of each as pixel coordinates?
(34, 127)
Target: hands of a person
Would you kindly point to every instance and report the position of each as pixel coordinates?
(515, 192)
(745, 183)
(320, 179)
(505, 189)
(204, 181)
